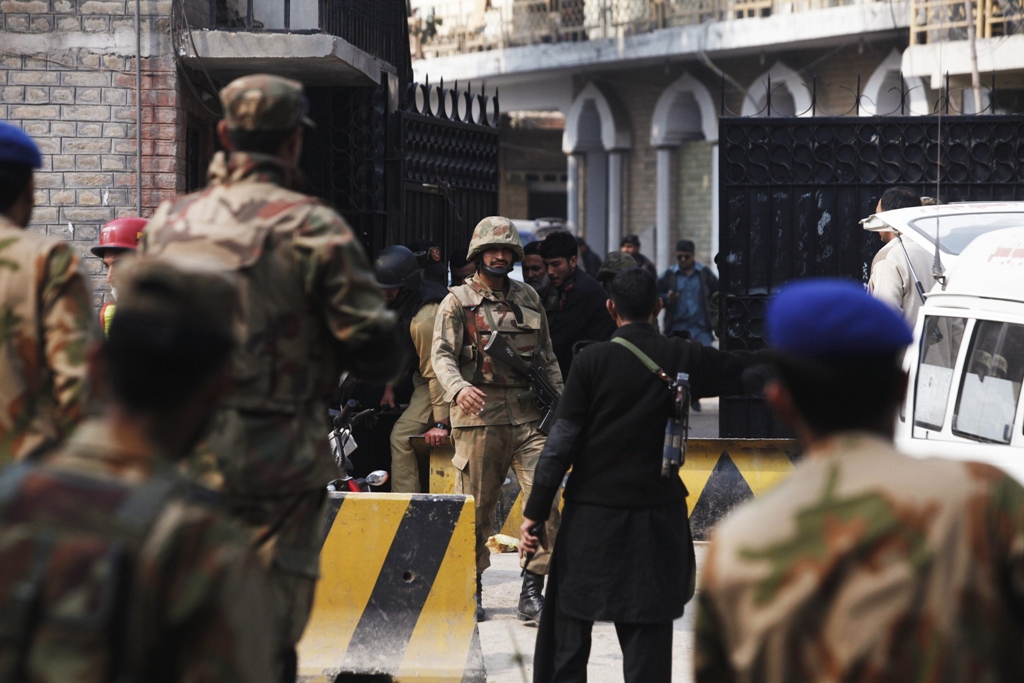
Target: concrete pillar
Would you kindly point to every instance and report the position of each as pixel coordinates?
(663, 225)
(572, 191)
(614, 199)
(596, 229)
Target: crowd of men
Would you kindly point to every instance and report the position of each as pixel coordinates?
(245, 302)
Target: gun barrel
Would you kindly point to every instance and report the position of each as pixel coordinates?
(498, 348)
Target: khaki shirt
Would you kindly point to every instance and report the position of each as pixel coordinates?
(462, 328)
(48, 322)
(868, 565)
(892, 280)
(435, 408)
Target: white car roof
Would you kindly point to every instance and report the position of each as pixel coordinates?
(991, 267)
(957, 224)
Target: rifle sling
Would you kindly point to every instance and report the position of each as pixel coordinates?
(644, 358)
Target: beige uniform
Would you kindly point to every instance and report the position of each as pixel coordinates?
(426, 406)
(892, 281)
(505, 433)
(47, 323)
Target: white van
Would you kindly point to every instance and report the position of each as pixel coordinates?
(967, 362)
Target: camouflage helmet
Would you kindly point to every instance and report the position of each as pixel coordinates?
(614, 263)
(262, 102)
(495, 231)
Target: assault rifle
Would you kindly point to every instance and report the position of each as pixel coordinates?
(544, 396)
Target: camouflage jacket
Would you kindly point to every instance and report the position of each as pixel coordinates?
(48, 321)
(115, 526)
(868, 565)
(462, 328)
(309, 299)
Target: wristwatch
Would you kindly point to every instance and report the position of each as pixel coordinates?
(442, 425)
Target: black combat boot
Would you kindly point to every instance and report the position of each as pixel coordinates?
(531, 600)
(480, 614)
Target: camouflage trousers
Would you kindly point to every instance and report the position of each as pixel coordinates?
(291, 529)
(482, 459)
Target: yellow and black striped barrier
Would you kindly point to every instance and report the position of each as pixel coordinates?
(395, 596)
(719, 474)
(722, 473)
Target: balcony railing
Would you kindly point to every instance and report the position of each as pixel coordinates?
(377, 27)
(940, 20)
(531, 22)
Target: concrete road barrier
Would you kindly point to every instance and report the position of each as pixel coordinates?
(395, 597)
(719, 474)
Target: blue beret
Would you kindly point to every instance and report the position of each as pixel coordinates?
(18, 148)
(832, 319)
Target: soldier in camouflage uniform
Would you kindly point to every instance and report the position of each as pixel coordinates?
(48, 317)
(493, 425)
(116, 568)
(864, 564)
(310, 307)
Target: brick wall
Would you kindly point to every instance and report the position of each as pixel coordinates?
(79, 105)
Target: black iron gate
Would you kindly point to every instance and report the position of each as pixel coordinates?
(428, 170)
(448, 143)
(793, 190)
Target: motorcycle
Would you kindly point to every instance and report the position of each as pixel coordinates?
(343, 444)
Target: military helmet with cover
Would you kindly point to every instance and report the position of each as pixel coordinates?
(614, 263)
(262, 102)
(495, 231)
(397, 266)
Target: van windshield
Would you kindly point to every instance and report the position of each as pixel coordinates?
(958, 230)
(990, 386)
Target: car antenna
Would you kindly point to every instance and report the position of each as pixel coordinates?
(917, 280)
(938, 272)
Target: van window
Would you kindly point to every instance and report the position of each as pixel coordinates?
(990, 385)
(940, 345)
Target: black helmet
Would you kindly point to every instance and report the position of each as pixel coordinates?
(397, 267)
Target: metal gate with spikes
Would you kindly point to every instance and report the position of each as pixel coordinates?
(793, 192)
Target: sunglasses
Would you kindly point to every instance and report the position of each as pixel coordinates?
(684, 255)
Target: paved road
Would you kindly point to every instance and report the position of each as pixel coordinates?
(508, 643)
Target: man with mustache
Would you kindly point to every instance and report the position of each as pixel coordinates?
(494, 423)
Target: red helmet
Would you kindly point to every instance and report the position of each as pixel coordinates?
(120, 233)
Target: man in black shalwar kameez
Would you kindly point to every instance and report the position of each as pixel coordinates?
(624, 551)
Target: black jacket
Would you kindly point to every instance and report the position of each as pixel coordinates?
(580, 316)
(610, 423)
